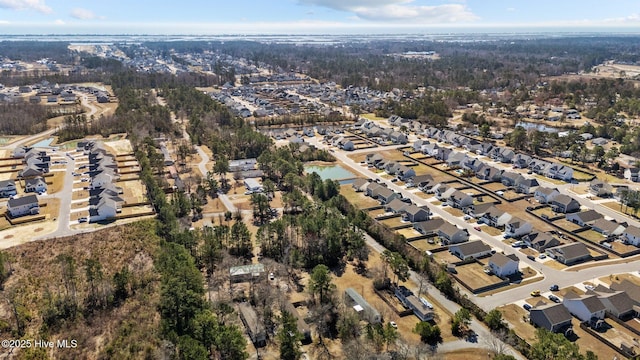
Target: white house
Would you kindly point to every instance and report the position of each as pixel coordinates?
(26, 205)
(253, 185)
(37, 185)
(7, 188)
(495, 217)
(451, 234)
(585, 307)
(107, 208)
(607, 228)
(632, 235)
(584, 218)
(504, 265)
(472, 249)
(517, 227)
(632, 174)
(545, 195)
(101, 180)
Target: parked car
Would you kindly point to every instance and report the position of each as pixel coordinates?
(535, 293)
(82, 220)
(554, 298)
(542, 256)
(477, 228)
(531, 257)
(527, 307)
(554, 287)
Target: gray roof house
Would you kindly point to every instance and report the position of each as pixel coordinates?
(553, 317)
(405, 173)
(608, 228)
(504, 265)
(526, 186)
(460, 200)
(415, 214)
(565, 204)
(632, 290)
(360, 184)
(600, 188)
(495, 217)
(570, 254)
(584, 307)
(584, 218)
(451, 234)
(517, 227)
(472, 249)
(540, 241)
(395, 206)
(385, 195)
(26, 205)
(429, 227)
(509, 178)
(617, 303)
(632, 235)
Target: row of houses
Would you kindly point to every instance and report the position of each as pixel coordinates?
(373, 131)
(105, 200)
(498, 153)
(620, 300)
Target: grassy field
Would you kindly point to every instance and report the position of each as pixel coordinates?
(615, 205)
(474, 276)
(516, 316)
(424, 245)
(491, 230)
(408, 233)
(454, 211)
(372, 116)
(357, 199)
(393, 222)
(592, 235)
(567, 225)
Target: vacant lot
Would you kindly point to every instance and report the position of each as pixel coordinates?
(617, 206)
(546, 211)
(357, 199)
(474, 276)
(446, 257)
(519, 319)
(491, 230)
(620, 277)
(376, 213)
(454, 211)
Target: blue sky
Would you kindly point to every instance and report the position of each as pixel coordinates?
(310, 16)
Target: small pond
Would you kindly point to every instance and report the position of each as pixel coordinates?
(334, 172)
(43, 143)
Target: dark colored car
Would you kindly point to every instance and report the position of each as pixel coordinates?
(527, 307)
(554, 288)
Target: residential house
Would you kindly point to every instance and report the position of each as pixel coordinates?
(570, 254)
(600, 188)
(405, 173)
(419, 181)
(451, 234)
(632, 290)
(398, 138)
(7, 188)
(489, 173)
(455, 159)
(631, 235)
(559, 171)
(410, 301)
(617, 303)
(538, 166)
(26, 205)
(428, 227)
(540, 241)
(360, 184)
(347, 145)
(242, 164)
(608, 228)
(526, 186)
(362, 307)
(632, 174)
(516, 228)
(20, 151)
(495, 217)
(371, 188)
(443, 154)
(584, 218)
(414, 213)
(584, 307)
(395, 206)
(553, 317)
(392, 167)
(478, 210)
(385, 195)
(417, 145)
(509, 178)
(460, 200)
(107, 208)
(373, 159)
(565, 204)
(37, 185)
(430, 149)
(473, 164)
(470, 250)
(521, 161)
(442, 191)
(504, 265)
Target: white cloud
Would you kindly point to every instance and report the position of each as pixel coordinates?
(632, 18)
(37, 5)
(511, 9)
(399, 10)
(59, 22)
(83, 14)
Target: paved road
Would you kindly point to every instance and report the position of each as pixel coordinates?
(550, 276)
(482, 332)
